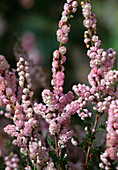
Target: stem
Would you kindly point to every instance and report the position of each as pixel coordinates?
(56, 146)
(57, 151)
(87, 156)
(89, 146)
(94, 127)
(97, 117)
(90, 32)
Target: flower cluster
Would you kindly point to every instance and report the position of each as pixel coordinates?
(26, 47)
(110, 153)
(3, 64)
(54, 111)
(8, 87)
(11, 161)
(58, 108)
(25, 130)
(101, 78)
(64, 29)
(25, 83)
(89, 21)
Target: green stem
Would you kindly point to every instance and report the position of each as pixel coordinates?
(94, 127)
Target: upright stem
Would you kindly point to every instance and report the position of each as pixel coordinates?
(94, 127)
(56, 146)
(87, 156)
(97, 116)
(89, 146)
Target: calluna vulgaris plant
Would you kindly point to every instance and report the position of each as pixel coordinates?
(50, 151)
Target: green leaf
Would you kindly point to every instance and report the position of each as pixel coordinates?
(2, 165)
(79, 142)
(53, 156)
(95, 111)
(81, 165)
(35, 168)
(3, 109)
(22, 155)
(102, 126)
(95, 150)
(57, 166)
(49, 141)
(8, 145)
(116, 163)
(26, 158)
(63, 151)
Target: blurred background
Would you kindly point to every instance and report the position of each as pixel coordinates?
(35, 22)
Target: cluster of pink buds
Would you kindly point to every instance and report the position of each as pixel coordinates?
(64, 29)
(3, 64)
(84, 91)
(100, 57)
(102, 106)
(26, 48)
(59, 107)
(90, 21)
(25, 130)
(37, 152)
(11, 161)
(50, 165)
(25, 83)
(58, 55)
(64, 137)
(110, 78)
(101, 78)
(55, 102)
(84, 94)
(111, 153)
(8, 88)
(57, 69)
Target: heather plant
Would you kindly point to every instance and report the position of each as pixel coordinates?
(30, 120)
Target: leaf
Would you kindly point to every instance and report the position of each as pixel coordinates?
(53, 156)
(22, 155)
(81, 165)
(3, 109)
(79, 142)
(2, 165)
(95, 111)
(76, 139)
(102, 126)
(96, 149)
(26, 158)
(63, 151)
(49, 141)
(35, 168)
(57, 166)
(116, 163)
(8, 145)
